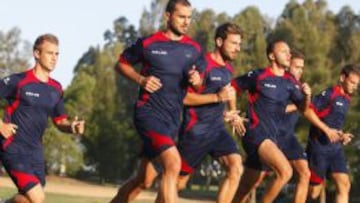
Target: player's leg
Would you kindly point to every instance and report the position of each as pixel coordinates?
(272, 156)
(319, 164)
(34, 195)
(158, 143)
(225, 149)
(253, 174)
(18, 198)
(250, 180)
(339, 173)
(143, 180)
(315, 190)
(28, 174)
(182, 181)
(298, 160)
(302, 170)
(234, 169)
(170, 161)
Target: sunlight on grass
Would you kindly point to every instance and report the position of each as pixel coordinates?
(57, 198)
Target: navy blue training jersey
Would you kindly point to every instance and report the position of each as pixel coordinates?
(289, 123)
(30, 103)
(268, 96)
(331, 106)
(209, 116)
(170, 61)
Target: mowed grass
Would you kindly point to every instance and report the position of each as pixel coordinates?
(56, 198)
(60, 198)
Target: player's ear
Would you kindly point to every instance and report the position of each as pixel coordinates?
(167, 16)
(36, 54)
(342, 78)
(219, 42)
(272, 56)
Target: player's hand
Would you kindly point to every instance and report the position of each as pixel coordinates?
(194, 77)
(226, 94)
(8, 129)
(306, 89)
(346, 138)
(237, 123)
(230, 115)
(151, 84)
(333, 135)
(77, 126)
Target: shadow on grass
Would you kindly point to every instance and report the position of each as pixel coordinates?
(204, 195)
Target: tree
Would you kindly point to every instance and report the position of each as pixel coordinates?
(151, 20)
(62, 151)
(14, 52)
(309, 27)
(255, 28)
(345, 47)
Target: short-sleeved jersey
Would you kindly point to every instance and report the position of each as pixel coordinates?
(289, 123)
(30, 103)
(268, 96)
(331, 106)
(201, 119)
(170, 61)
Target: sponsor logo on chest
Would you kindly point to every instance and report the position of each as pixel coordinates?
(159, 52)
(215, 78)
(339, 103)
(268, 85)
(32, 94)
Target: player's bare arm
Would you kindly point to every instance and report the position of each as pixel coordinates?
(149, 83)
(196, 99)
(75, 127)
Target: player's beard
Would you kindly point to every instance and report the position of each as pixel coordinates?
(176, 31)
(349, 90)
(225, 55)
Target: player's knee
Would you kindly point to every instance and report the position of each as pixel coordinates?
(345, 186)
(285, 174)
(181, 185)
(313, 195)
(182, 181)
(172, 167)
(314, 192)
(304, 174)
(37, 198)
(147, 183)
(19, 199)
(235, 171)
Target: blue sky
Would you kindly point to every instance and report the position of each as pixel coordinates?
(80, 24)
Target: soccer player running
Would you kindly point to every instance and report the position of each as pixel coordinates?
(32, 97)
(269, 91)
(203, 131)
(287, 141)
(167, 57)
(326, 156)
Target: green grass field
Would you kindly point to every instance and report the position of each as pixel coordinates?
(57, 198)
